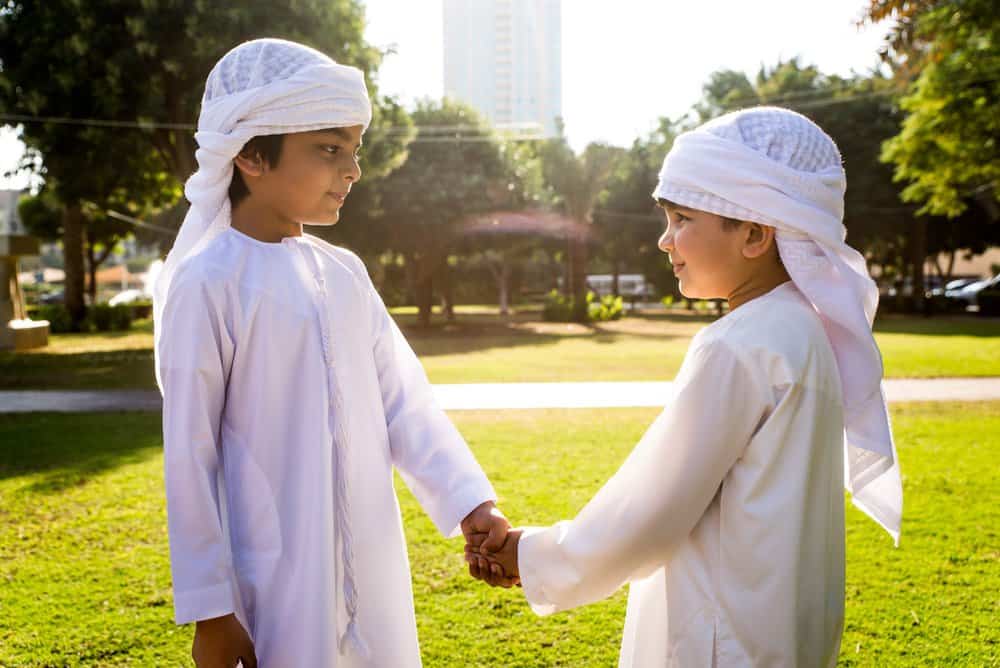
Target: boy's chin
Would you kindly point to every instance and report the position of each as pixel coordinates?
(691, 292)
(327, 221)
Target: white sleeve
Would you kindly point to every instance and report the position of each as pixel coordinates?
(430, 454)
(194, 355)
(656, 498)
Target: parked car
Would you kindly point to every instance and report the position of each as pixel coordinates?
(952, 285)
(904, 287)
(128, 297)
(968, 294)
(55, 297)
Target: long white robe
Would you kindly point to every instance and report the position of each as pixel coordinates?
(254, 334)
(728, 516)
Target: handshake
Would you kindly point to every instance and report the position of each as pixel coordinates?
(491, 546)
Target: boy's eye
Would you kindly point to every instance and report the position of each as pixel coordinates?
(333, 149)
(679, 217)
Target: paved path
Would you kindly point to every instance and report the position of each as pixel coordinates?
(493, 396)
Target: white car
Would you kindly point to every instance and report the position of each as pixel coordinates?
(128, 297)
(970, 293)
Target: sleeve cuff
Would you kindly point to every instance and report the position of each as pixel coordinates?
(449, 511)
(205, 603)
(530, 557)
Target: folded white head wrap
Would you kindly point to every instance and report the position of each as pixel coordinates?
(776, 167)
(265, 87)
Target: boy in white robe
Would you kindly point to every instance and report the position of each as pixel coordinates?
(289, 392)
(728, 517)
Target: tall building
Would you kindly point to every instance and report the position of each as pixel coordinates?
(503, 57)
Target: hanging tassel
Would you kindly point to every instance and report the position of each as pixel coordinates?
(353, 636)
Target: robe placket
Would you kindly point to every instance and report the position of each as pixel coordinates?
(337, 416)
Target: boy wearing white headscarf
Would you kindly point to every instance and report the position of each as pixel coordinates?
(728, 516)
(289, 393)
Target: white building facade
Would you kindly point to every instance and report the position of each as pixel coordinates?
(503, 57)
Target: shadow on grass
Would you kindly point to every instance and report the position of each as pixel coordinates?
(474, 333)
(945, 325)
(104, 369)
(62, 450)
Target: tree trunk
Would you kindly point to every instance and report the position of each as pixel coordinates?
(447, 291)
(504, 286)
(567, 284)
(73, 264)
(578, 279)
(423, 289)
(918, 256)
(91, 271)
(615, 272)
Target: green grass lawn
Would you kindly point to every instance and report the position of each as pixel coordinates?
(481, 347)
(84, 577)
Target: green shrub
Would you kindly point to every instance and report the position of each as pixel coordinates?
(57, 315)
(101, 315)
(107, 318)
(122, 316)
(141, 309)
(558, 308)
(668, 301)
(604, 309)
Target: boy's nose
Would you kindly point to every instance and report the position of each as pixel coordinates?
(666, 243)
(353, 173)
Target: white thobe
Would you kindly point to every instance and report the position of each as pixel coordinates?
(728, 516)
(255, 335)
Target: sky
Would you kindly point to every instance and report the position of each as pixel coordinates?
(623, 68)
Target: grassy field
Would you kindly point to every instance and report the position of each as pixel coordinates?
(481, 347)
(84, 577)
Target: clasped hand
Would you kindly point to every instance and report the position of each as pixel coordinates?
(491, 546)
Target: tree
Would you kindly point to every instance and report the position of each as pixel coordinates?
(130, 76)
(577, 181)
(44, 216)
(947, 151)
(626, 215)
(724, 90)
(455, 167)
(945, 54)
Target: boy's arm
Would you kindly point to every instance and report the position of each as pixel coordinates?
(431, 455)
(633, 524)
(194, 354)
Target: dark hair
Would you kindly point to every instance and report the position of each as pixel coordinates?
(728, 223)
(268, 147)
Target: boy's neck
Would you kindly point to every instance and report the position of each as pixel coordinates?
(263, 224)
(757, 285)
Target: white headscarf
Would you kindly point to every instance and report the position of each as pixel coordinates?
(266, 87)
(776, 167)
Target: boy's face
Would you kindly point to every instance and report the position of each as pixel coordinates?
(313, 176)
(705, 252)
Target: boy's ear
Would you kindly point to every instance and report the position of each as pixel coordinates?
(759, 240)
(250, 163)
